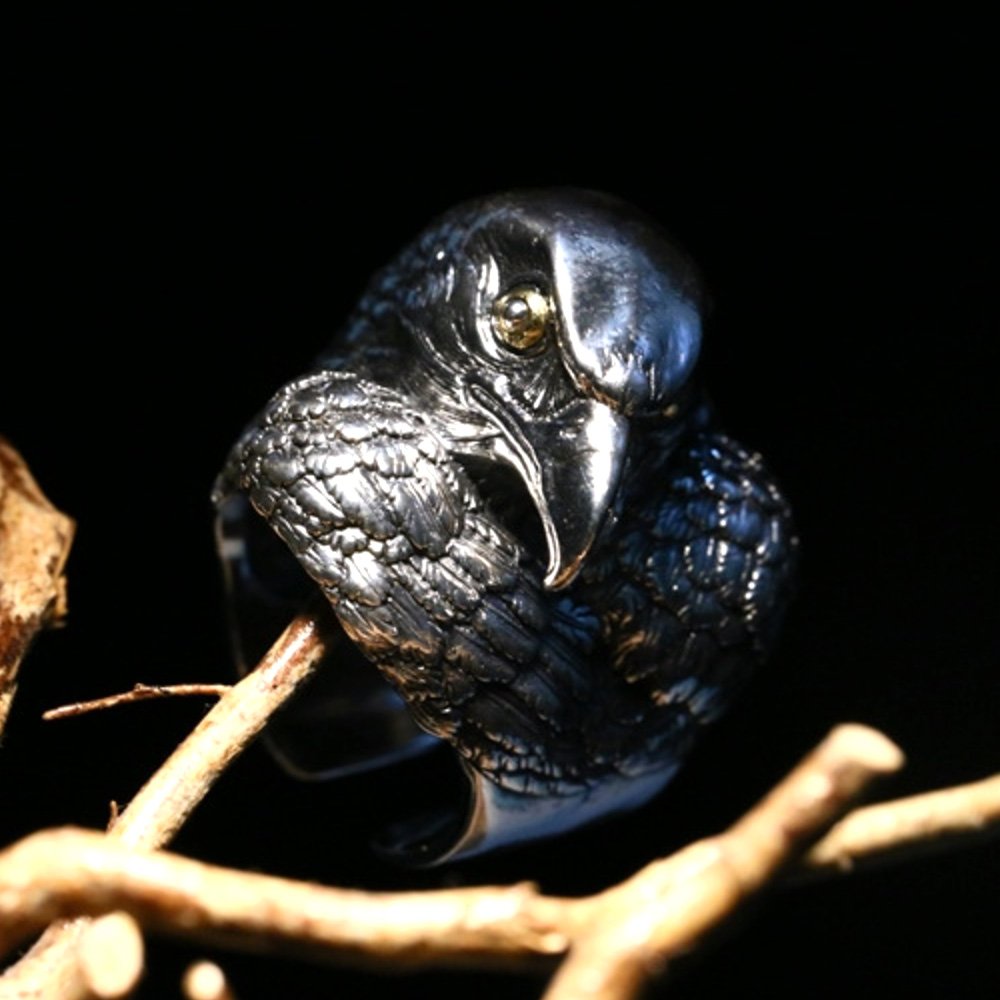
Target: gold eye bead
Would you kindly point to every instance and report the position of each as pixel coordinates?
(521, 317)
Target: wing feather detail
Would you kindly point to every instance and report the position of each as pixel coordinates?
(435, 592)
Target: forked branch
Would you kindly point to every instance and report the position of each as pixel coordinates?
(164, 803)
(610, 943)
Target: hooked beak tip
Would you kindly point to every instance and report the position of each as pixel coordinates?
(576, 493)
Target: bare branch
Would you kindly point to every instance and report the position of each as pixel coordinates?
(141, 692)
(921, 823)
(168, 798)
(35, 540)
(669, 906)
(614, 940)
(163, 804)
(66, 871)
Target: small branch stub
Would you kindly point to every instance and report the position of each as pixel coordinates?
(141, 692)
(111, 956)
(206, 981)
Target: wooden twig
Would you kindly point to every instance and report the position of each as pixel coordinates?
(669, 906)
(59, 872)
(921, 823)
(163, 804)
(141, 692)
(614, 940)
(35, 539)
(612, 943)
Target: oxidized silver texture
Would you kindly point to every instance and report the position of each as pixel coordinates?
(550, 553)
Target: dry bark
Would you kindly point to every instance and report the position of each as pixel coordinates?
(35, 540)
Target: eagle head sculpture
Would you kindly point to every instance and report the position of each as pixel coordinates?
(505, 480)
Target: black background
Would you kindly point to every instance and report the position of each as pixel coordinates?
(192, 208)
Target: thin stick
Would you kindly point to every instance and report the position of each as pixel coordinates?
(164, 803)
(921, 823)
(141, 692)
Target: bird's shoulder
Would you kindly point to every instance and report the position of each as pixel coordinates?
(698, 571)
(352, 473)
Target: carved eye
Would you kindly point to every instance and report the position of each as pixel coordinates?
(521, 317)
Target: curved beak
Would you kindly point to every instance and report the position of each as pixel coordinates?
(570, 464)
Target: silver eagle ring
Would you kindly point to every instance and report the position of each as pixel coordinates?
(504, 477)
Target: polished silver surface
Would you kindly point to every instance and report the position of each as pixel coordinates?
(506, 482)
